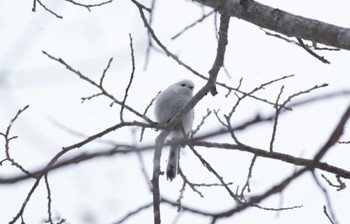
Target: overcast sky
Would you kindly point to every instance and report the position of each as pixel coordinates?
(104, 190)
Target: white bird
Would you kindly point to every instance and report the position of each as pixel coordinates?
(167, 104)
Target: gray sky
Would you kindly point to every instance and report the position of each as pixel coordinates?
(104, 190)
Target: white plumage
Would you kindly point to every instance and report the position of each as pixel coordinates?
(167, 104)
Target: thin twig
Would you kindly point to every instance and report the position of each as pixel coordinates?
(280, 37)
(8, 138)
(212, 170)
(193, 132)
(142, 162)
(187, 182)
(104, 92)
(335, 136)
(149, 38)
(130, 214)
(193, 24)
(250, 93)
(47, 9)
(308, 50)
(49, 200)
(144, 114)
(83, 99)
(24, 204)
(130, 80)
(162, 46)
(249, 176)
(341, 185)
(139, 5)
(275, 121)
(105, 71)
(327, 215)
(88, 6)
(326, 195)
(34, 6)
(314, 46)
(278, 209)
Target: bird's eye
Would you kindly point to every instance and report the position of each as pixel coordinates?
(183, 84)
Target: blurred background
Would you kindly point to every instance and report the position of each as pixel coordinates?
(104, 190)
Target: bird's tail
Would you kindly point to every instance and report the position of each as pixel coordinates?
(172, 168)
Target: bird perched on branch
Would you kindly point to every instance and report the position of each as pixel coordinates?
(167, 104)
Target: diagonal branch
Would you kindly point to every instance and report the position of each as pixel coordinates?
(283, 22)
(100, 87)
(277, 156)
(335, 136)
(308, 50)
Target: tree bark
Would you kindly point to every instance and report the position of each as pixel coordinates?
(283, 22)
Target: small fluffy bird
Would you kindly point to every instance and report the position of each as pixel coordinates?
(167, 104)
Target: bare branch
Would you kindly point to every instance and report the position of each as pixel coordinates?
(161, 45)
(341, 185)
(139, 5)
(308, 50)
(278, 209)
(143, 207)
(173, 56)
(151, 103)
(49, 200)
(34, 6)
(104, 92)
(240, 207)
(105, 71)
(24, 204)
(142, 162)
(89, 6)
(250, 93)
(326, 213)
(156, 172)
(275, 121)
(325, 194)
(201, 123)
(289, 40)
(212, 170)
(314, 46)
(283, 22)
(334, 138)
(8, 138)
(277, 156)
(47, 9)
(220, 52)
(83, 99)
(187, 182)
(131, 79)
(193, 24)
(249, 176)
(149, 38)
(144, 114)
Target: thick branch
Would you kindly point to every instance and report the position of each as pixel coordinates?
(283, 22)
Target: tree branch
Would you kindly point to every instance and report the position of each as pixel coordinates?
(277, 156)
(283, 22)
